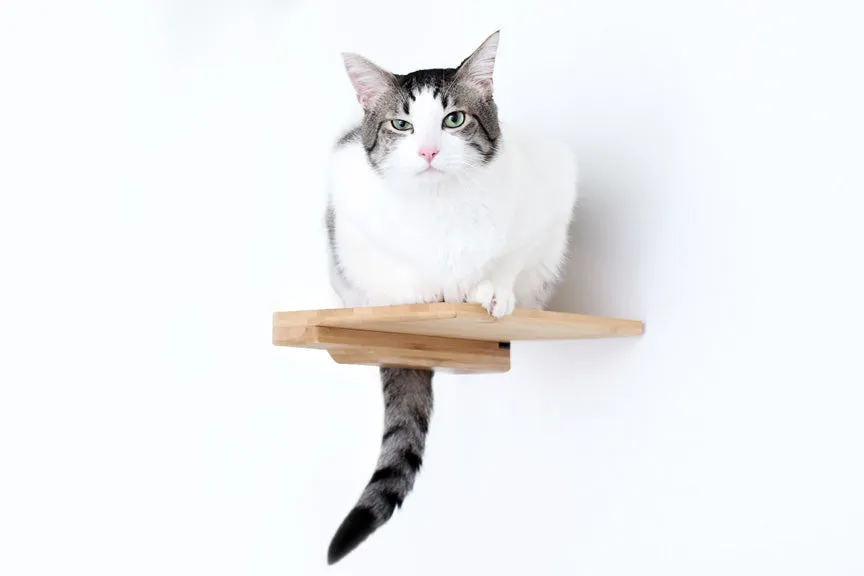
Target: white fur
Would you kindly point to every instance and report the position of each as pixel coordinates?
(494, 234)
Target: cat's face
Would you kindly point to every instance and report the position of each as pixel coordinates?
(431, 124)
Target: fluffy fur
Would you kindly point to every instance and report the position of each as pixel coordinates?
(425, 208)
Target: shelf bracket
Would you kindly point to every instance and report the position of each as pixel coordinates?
(371, 348)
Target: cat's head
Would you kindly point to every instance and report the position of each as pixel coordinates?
(429, 124)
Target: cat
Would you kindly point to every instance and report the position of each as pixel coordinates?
(431, 198)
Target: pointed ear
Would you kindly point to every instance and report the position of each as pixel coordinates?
(369, 80)
(477, 69)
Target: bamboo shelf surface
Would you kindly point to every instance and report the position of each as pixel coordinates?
(449, 336)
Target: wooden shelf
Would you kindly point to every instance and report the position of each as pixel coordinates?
(456, 337)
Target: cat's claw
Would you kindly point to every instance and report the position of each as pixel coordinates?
(497, 301)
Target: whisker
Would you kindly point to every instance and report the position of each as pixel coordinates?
(470, 165)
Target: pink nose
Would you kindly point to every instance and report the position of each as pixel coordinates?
(429, 153)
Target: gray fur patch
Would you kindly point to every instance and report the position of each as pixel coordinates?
(353, 135)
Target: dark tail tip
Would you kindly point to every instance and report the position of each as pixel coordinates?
(356, 527)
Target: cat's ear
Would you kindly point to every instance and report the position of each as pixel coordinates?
(369, 80)
(477, 69)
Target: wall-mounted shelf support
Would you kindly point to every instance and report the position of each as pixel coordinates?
(454, 337)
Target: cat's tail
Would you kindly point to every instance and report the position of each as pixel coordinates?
(407, 409)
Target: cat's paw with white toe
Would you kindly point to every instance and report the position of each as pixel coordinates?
(497, 301)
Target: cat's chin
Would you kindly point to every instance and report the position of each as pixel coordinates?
(430, 175)
(423, 178)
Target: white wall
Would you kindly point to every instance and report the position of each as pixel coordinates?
(159, 172)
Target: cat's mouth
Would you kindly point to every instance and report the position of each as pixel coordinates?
(430, 170)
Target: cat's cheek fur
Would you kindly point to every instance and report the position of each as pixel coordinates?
(456, 157)
(404, 160)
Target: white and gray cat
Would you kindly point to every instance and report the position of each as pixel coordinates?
(432, 198)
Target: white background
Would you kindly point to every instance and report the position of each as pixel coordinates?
(160, 179)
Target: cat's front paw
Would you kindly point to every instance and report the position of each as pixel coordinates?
(498, 301)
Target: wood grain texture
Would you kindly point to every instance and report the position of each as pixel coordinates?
(456, 337)
(348, 346)
(463, 321)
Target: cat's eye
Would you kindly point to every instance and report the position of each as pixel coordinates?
(401, 125)
(454, 119)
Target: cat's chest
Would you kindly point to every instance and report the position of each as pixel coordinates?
(443, 240)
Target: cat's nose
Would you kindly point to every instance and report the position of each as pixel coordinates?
(429, 153)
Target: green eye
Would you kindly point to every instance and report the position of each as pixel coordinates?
(401, 125)
(454, 119)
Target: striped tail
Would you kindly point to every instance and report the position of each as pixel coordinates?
(407, 409)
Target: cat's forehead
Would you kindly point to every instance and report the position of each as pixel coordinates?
(425, 102)
(427, 90)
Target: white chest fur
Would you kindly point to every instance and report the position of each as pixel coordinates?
(415, 243)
